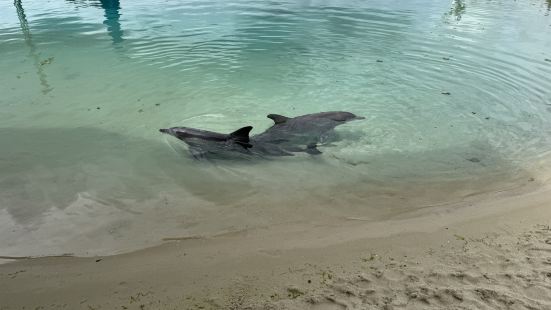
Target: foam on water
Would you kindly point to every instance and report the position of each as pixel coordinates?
(457, 100)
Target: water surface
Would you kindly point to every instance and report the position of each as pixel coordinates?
(456, 95)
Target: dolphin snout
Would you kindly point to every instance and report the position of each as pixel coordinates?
(164, 130)
(359, 117)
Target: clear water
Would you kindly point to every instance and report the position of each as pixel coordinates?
(457, 97)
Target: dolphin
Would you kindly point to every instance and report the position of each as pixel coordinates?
(305, 129)
(288, 135)
(201, 142)
(189, 135)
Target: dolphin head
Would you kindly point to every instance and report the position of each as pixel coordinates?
(340, 116)
(181, 132)
(184, 133)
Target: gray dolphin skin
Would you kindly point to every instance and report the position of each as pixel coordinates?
(287, 136)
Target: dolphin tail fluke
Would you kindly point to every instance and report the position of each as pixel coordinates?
(241, 136)
(278, 119)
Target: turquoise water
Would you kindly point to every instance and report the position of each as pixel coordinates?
(456, 95)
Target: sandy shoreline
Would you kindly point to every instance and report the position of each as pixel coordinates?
(491, 252)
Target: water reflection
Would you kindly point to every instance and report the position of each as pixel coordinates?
(112, 16)
(291, 45)
(38, 64)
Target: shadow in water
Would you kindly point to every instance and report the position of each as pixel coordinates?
(38, 64)
(45, 168)
(51, 168)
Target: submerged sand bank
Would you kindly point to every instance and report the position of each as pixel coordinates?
(492, 252)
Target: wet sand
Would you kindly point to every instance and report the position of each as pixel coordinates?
(487, 252)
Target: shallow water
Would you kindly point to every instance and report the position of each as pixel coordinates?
(457, 100)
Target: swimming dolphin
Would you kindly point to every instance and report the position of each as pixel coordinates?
(286, 137)
(191, 135)
(305, 129)
(202, 142)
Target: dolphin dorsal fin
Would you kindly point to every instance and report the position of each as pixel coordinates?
(278, 119)
(241, 136)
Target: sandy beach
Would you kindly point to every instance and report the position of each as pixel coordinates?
(487, 252)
